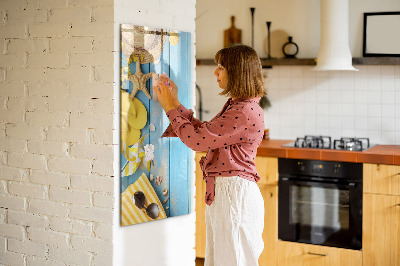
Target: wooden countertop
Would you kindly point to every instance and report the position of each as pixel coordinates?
(379, 154)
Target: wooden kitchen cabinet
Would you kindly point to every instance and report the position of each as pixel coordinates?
(381, 179)
(270, 233)
(381, 215)
(200, 209)
(298, 254)
(267, 167)
(381, 230)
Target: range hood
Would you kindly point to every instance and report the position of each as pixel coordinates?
(334, 51)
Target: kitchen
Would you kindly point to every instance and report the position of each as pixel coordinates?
(60, 83)
(337, 104)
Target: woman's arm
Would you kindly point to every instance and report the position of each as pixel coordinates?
(187, 113)
(228, 129)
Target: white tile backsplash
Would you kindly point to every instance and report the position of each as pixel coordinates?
(387, 124)
(387, 72)
(388, 97)
(397, 72)
(388, 110)
(364, 103)
(388, 83)
(374, 97)
(374, 110)
(361, 124)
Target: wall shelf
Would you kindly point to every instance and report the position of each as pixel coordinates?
(312, 61)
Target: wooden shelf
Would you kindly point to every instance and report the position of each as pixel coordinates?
(376, 61)
(312, 61)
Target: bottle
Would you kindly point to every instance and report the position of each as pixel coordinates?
(290, 49)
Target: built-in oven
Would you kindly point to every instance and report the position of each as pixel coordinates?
(320, 202)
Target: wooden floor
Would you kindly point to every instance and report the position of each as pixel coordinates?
(199, 262)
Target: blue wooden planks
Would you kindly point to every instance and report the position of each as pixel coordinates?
(180, 163)
(161, 122)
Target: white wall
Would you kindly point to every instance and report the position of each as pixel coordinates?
(338, 104)
(299, 18)
(170, 241)
(56, 118)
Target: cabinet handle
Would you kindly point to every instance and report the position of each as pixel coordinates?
(318, 254)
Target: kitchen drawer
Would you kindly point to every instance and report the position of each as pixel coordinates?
(298, 254)
(267, 168)
(381, 179)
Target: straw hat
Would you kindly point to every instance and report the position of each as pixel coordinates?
(133, 118)
(142, 41)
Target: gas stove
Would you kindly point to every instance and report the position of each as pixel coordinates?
(325, 142)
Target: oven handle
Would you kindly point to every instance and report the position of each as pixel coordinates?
(318, 254)
(298, 181)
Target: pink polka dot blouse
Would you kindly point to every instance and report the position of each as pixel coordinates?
(231, 139)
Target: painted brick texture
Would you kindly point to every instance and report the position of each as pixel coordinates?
(56, 126)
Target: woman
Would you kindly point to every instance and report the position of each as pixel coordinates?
(235, 207)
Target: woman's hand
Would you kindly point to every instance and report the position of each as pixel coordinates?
(174, 89)
(164, 95)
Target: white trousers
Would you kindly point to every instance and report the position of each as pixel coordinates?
(234, 223)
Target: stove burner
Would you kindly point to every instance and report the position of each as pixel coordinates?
(308, 141)
(351, 144)
(324, 142)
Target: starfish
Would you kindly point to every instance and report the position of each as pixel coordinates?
(139, 81)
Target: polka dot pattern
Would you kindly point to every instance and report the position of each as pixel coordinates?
(231, 139)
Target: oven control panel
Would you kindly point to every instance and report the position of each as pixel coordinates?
(330, 169)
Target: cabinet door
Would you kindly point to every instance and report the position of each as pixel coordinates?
(267, 168)
(297, 254)
(200, 209)
(381, 230)
(381, 179)
(270, 233)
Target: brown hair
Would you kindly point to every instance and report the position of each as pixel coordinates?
(245, 78)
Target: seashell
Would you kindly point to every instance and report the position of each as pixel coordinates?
(151, 177)
(165, 200)
(159, 180)
(165, 191)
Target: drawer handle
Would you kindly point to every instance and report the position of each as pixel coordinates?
(318, 254)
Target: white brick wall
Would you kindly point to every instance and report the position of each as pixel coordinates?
(56, 122)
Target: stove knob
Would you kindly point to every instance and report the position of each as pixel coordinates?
(302, 167)
(336, 169)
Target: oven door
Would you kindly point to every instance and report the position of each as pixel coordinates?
(321, 212)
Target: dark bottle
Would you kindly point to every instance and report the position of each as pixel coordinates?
(290, 49)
